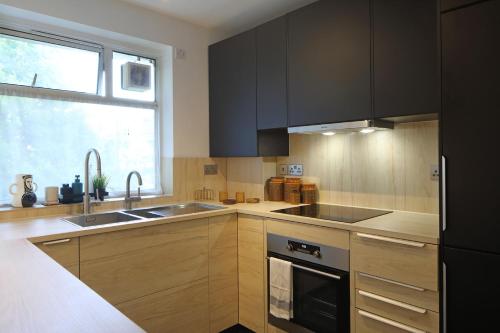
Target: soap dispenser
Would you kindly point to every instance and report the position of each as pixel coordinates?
(77, 186)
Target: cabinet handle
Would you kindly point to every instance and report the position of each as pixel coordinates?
(389, 322)
(392, 282)
(443, 191)
(392, 302)
(59, 241)
(391, 240)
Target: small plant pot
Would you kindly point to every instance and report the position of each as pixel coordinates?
(100, 193)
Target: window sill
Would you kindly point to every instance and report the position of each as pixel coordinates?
(7, 211)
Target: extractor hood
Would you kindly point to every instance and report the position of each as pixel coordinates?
(364, 126)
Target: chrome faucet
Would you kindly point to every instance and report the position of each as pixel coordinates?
(128, 198)
(86, 195)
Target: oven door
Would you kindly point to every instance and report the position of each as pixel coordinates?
(320, 299)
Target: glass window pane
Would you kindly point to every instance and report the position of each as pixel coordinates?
(133, 77)
(55, 66)
(49, 139)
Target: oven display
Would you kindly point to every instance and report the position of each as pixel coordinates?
(304, 248)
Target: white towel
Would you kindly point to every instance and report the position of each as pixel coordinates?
(280, 288)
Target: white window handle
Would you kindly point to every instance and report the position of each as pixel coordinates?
(391, 282)
(392, 302)
(391, 240)
(390, 322)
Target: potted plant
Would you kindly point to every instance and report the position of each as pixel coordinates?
(100, 183)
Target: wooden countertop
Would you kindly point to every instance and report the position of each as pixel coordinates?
(37, 294)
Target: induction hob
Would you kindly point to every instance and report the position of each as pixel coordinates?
(336, 213)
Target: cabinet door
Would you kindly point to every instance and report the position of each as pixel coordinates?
(223, 272)
(329, 62)
(233, 119)
(451, 4)
(469, 125)
(65, 252)
(176, 310)
(252, 290)
(126, 265)
(271, 74)
(472, 291)
(405, 57)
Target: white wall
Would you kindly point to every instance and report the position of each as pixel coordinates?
(190, 75)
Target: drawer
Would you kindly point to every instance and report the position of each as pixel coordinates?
(367, 322)
(421, 297)
(398, 311)
(63, 251)
(395, 259)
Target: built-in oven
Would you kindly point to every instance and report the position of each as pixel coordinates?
(320, 282)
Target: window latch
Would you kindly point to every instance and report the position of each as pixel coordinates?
(33, 83)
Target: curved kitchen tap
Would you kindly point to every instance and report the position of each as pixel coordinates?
(86, 195)
(128, 198)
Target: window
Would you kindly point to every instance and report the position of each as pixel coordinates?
(33, 63)
(47, 127)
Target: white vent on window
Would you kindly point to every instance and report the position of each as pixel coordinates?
(136, 77)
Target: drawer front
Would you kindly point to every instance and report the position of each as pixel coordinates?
(395, 259)
(398, 311)
(417, 296)
(367, 322)
(64, 251)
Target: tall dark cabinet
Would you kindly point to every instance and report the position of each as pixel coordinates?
(329, 62)
(405, 58)
(271, 75)
(470, 199)
(233, 79)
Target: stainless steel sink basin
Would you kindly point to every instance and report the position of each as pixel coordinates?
(173, 210)
(100, 219)
(141, 214)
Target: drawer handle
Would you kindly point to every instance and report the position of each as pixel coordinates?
(392, 302)
(59, 241)
(391, 240)
(392, 282)
(389, 322)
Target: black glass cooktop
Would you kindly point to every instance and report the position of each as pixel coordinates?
(344, 214)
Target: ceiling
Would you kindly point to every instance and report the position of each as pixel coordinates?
(225, 15)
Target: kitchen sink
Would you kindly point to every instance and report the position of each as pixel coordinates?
(173, 210)
(100, 219)
(141, 214)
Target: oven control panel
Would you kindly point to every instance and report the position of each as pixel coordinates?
(304, 248)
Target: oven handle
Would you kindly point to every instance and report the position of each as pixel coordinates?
(333, 276)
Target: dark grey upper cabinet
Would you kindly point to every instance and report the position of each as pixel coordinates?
(233, 121)
(405, 58)
(329, 62)
(271, 75)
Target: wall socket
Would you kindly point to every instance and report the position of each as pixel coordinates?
(210, 169)
(295, 169)
(435, 172)
(283, 169)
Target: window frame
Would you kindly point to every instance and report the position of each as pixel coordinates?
(102, 96)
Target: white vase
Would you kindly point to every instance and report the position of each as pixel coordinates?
(25, 188)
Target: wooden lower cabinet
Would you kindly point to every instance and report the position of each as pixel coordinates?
(179, 309)
(223, 272)
(157, 275)
(65, 252)
(251, 274)
(125, 265)
(394, 285)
